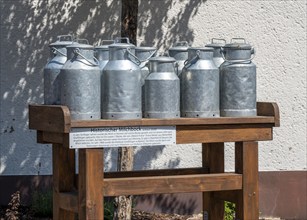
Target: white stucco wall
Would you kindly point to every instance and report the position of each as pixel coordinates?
(277, 30)
(27, 28)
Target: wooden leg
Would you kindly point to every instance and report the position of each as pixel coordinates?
(63, 178)
(91, 184)
(213, 158)
(246, 159)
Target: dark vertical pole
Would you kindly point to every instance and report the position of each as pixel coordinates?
(129, 19)
(123, 204)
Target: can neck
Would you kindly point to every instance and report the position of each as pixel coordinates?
(155, 66)
(120, 53)
(179, 55)
(201, 54)
(102, 55)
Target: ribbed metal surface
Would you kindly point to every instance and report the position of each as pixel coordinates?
(200, 85)
(80, 83)
(238, 81)
(162, 89)
(121, 84)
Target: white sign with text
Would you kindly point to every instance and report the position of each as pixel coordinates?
(107, 137)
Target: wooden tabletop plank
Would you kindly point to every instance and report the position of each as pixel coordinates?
(170, 122)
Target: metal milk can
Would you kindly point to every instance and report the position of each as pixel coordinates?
(162, 89)
(122, 83)
(238, 80)
(58, 57)
(216, 44)
(200, 84)
(144, 54)
(80, 83)
(102, 53)
(180, 52)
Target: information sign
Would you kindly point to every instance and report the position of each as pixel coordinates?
(108, 137)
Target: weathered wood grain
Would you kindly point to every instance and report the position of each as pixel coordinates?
(213, 158)
(52, 118)
(63, 165)
(172, 184)
(246, 163)
(90, 184)
(269, 109)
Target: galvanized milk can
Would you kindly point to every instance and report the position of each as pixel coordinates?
(216, 44)
(102, 53)
(58, 57)
(238, 80)
(122, 83)
(144, 54)
(200, 84)
(80, 83)
(162, 89)
(180, 52)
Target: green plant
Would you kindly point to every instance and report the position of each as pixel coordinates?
(108, 210)
(42, 203)
(229, 211)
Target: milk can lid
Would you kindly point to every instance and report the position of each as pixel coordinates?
(162, 59)
(142, 48)
(180, 46)
(104, 45)
(243, 45)
(81, 46)
(62, 41)
(209, 49)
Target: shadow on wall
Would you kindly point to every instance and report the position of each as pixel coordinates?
(28, 27)
(154, 15)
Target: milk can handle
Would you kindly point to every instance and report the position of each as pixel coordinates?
(237, 38)
(218, 39)
(253, 52)
(61, 37)
(55, 51)
(107, 42)
(77, 51)
(190, 61)
(135, 57)
(82, 40)
(119, 39)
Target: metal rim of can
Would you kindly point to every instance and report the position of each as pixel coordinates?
(141, 48)
(162, 59)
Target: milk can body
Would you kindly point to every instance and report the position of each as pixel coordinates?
(58, 56)
(143, 54)
(121, 84)
(180, 52)
(80, 83)
(238, 81)
(162, 89)
(200, 85)
(217, 44)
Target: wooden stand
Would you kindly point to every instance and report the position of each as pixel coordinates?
(83, 194)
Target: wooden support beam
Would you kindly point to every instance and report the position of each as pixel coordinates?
(68, 201)
(63, 165)
(246, 163)
(172, 184)
(161, 172)
(90, 184)
(213, 157)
